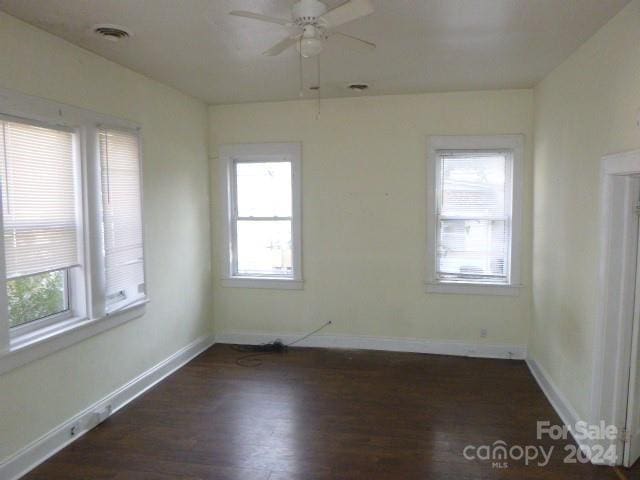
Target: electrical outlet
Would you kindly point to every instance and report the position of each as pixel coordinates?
(101, 415)
(483, 333)
(105, 413)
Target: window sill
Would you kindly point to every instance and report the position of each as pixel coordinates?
(38, 344)
(460, 288)
(263, 282)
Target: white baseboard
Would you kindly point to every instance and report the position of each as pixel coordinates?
(559, 402)
(413, 345)
(567, 413)
(49, 444)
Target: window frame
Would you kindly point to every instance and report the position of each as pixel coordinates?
(436, 147)
(86, 315)
(114, 307)
(76, 286)
(230, 156)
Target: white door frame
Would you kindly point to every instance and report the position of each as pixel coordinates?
(613, 329)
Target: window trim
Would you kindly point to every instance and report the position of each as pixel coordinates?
(89, 317)
(229, 156)
(37, 345)
(437, 144)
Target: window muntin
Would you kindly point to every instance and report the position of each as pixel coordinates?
(122, 217)
(474, 193)
(262, 219)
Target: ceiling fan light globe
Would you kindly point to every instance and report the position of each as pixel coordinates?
(310, 47)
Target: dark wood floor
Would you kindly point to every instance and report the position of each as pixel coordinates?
(314, 414)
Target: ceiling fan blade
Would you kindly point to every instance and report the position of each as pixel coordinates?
(353, 43)
(280, 47)
(352, 10)
(262, 18)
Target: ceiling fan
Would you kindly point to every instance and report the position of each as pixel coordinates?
(313, 24)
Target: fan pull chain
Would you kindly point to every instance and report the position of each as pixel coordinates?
(318, 85)
(300, 66)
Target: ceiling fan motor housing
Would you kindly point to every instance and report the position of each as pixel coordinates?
(307, 12)
(313, 24)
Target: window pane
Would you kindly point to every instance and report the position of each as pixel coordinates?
(264, 248)
(122, 216)
(473, 185)
(473, 248)
(37, 296)
(264, 189)
(38, 181)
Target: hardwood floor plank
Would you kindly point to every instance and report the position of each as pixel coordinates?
(318, 414)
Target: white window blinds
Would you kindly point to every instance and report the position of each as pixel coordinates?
(39, 198)
(122, 210)
(474, 224)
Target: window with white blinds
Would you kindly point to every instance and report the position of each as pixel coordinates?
(40, 214)
(71, 224)
(474, 216)
(122, 217)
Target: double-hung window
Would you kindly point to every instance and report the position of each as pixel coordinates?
(474, 218)
(262, 192)
(122, 218)
(72, 253)
(39, 171)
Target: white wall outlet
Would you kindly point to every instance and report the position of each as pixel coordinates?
(108, 410)
(483, 333)
(99, 416)
(102, 414)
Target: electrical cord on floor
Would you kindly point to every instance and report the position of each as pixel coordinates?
(277, 346)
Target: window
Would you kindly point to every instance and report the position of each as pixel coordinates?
(475, 188)
(71, 218)
(263, 215)
(122, 218)
(40, 198)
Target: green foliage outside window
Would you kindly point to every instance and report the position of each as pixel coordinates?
(35, 297)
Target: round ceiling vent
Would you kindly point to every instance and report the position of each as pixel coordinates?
(111, 32)
(358, 87)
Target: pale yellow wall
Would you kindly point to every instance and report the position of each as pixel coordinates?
(585, 109)
(364, 177)
(364, 232)
(41, 395)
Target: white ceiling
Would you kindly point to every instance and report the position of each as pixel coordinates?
(423, 45)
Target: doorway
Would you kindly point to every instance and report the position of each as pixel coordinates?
(615, 398)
